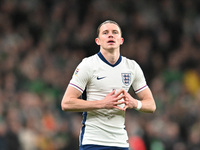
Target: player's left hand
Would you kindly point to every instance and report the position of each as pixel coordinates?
(130, 102)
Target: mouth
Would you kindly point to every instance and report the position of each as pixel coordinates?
(111, 42)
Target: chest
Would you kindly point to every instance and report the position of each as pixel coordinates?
(109, 78)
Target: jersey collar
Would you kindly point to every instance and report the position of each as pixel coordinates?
(103, 59)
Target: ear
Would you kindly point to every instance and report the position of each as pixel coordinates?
(122, 41)
(97, 41)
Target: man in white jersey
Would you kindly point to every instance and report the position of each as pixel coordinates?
(107, 77)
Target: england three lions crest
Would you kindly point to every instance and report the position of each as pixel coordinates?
(126, 78)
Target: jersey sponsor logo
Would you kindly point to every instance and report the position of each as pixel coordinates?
(99, 78)
(126, 78)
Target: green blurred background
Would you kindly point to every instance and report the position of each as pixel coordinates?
(42, 41)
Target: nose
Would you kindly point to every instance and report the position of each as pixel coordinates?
(110, 35)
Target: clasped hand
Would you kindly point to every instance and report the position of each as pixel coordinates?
(113, 100)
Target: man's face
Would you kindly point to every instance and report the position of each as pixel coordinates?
(109, 36)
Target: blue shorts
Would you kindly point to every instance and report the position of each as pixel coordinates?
(98, 147)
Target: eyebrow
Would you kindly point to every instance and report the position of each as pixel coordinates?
(112, 31)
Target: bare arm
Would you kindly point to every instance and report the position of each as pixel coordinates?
(147, 100)
(71, 101)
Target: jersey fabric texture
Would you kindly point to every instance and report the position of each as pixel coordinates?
(106, 127)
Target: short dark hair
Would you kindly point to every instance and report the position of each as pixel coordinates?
(107, 21)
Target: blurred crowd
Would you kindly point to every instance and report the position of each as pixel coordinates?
(42, 41)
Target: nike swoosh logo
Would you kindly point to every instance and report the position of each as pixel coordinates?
(99, 78)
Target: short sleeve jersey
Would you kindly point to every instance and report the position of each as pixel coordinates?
(99, 77)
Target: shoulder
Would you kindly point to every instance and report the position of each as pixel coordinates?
(90, 59)
(130, 62)
(87, 64)
(84, 70)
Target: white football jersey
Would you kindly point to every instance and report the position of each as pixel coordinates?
(99, 77)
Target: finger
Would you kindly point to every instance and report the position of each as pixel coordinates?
(119, 102)
(126, 102)
(125, 107)
(124, 92)
(119, 93)
(120, 108)
(119, 98)
(112, 93)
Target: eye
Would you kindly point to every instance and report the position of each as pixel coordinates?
(105, 32)
(115, 32)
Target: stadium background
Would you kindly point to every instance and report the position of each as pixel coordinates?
(42, 41)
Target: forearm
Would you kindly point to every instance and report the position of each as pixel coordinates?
(71, 102)
(79, 105)
(148, 106)
(147, 100)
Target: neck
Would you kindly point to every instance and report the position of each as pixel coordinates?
(111, 56)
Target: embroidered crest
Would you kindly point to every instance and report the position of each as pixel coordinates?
(126, 78)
